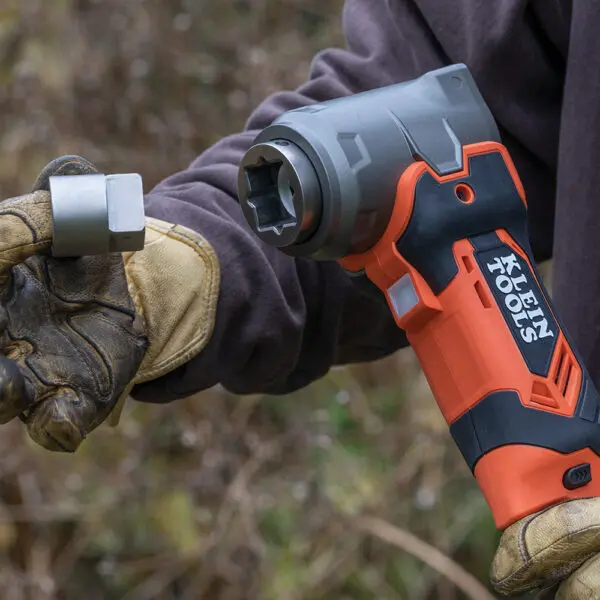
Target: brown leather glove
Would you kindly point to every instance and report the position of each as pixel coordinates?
(77, 334)
(557, 548)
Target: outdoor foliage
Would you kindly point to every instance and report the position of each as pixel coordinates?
(214, 497)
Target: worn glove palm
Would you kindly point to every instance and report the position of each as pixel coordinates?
(77, 334)
(559, 544)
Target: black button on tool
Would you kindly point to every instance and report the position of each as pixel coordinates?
(577, 477)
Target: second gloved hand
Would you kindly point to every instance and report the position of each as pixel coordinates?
(557, 549)
(77, 334)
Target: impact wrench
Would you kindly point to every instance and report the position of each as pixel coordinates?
(411, 186)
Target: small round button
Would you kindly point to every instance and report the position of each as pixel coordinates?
(577, 477)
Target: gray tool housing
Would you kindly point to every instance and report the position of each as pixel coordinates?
(321, 180)
(96, 214)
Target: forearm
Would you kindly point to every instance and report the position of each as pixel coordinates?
(280, 323)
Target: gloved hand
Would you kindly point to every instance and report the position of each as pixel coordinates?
(557, 548)
(77, 334)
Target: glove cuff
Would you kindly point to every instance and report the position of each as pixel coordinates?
(174, 283)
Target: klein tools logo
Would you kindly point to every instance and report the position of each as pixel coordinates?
(519, 298)
(521, 301)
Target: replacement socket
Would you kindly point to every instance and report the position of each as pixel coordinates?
(97, 214)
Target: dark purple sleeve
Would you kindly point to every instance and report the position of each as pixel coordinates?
(281, 322)
(577, 229)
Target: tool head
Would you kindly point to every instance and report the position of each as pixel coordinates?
(321, 180)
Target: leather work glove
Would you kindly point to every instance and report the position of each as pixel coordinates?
(557, 548)
(76, 334)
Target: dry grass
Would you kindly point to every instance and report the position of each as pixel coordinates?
(215, 497)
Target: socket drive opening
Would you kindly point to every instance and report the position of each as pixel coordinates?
(270, 196)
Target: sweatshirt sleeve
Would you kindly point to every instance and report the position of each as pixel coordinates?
(281, 322)
(576, 274)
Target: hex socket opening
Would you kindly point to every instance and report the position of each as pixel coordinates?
(271, 196)
(279, 192)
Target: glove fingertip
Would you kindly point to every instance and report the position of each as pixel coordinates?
(59, 423)
(65, 165)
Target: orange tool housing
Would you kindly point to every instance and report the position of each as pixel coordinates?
(468, 353)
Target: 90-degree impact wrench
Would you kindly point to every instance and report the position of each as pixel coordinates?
(411, 186)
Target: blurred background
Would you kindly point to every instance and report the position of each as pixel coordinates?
(349, 490)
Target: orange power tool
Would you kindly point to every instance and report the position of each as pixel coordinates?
(411, 186)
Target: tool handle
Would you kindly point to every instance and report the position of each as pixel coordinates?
(520, 404)
(457, 271)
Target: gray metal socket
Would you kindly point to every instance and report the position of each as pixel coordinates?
(97, 214)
